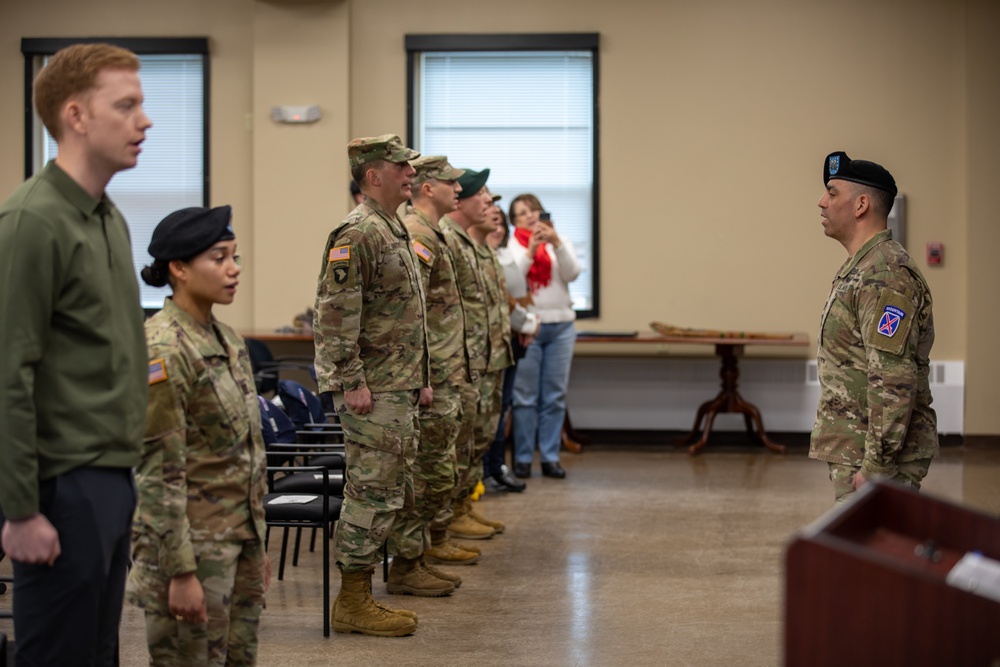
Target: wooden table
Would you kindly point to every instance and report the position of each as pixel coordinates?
(729, 350)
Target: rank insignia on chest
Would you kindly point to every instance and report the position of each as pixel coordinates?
(423, 252)
(889, 323)
(157, 371)
(341, 253)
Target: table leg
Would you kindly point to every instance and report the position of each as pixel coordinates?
(728, 400)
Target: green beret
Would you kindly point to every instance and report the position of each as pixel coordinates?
(388, 147)
(189, 231)
(838, 165)
(472, 182)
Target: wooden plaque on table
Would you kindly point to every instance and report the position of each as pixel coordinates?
(858, 593)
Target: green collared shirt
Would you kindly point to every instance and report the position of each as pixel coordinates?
(73, 360)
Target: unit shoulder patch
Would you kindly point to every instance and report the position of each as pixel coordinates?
(889, 328)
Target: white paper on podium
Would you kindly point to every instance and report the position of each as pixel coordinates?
(977, 574)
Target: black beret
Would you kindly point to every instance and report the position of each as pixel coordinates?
(838, 165)
(472, 182)
(189, 231)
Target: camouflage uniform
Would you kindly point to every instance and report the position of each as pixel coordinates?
(369, 331)
(877, 329)
(441, 422)
(500, 356)
(201, 483)
(474, 302)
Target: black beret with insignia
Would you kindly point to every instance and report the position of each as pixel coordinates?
(189, 231)
(838, 165)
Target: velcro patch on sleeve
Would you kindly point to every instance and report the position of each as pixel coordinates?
(425, 254)
(340, 253)
(157, 371)
(889, 329)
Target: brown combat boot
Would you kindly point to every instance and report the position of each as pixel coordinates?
(356, 611)
(408, 576)
(497, 526)
(455, 580)
(464, 526)
(445, 552)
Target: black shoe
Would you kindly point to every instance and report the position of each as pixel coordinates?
(493, 486)
(553, 469)
(507, 481)
(522, 470)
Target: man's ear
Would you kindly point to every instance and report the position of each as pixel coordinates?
(861, 205)
(73, 116)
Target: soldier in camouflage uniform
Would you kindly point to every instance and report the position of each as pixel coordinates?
(199, 566)
(478, 279)
(874, 418)
(435, 193)
(371, 352)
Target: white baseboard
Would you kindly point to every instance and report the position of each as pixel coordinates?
(627, 393)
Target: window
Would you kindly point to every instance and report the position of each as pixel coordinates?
(172, 171)
(524, 106)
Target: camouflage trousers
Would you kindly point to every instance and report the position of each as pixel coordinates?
(465, 442)
(380, 448)
(908, 474)
(485, 426)
(232, 574)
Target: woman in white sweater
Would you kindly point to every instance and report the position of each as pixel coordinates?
(549, 264)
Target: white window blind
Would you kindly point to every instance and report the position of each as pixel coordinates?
(170, 173)
(529, 117)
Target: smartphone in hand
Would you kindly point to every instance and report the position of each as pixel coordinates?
(545, 217)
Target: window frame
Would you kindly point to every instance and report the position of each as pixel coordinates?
(418, 43)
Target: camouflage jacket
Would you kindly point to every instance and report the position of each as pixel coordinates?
(369, 321)
(443, 303)
(498, 309)
(875, 339)
(470, 285)
(202, 473)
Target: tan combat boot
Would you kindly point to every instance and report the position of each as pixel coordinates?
(455, 580)
(445, 552)
(408, 576)
(356, 611)
(464, 526)
(497, 526)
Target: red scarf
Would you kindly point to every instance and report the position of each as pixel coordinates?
(540, 273)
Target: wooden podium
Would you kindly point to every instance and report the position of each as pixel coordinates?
(865, 584)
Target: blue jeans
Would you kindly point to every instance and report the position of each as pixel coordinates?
(540, 393)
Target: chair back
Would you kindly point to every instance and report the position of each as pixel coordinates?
(302, 405)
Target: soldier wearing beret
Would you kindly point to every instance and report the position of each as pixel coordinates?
(487, 351)
(371, 352)
(443, 422)
(72, 364)
(199, 566)
(874, 418)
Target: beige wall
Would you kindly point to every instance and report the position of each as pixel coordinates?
(983, 269)
(715, 118)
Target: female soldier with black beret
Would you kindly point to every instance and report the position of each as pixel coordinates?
(199, 566)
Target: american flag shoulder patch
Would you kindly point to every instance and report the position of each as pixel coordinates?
(423, 252)
(157, 371)
(340, 253)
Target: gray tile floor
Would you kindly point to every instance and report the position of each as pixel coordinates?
(642, 556)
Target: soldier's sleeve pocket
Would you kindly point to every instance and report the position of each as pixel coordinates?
(889, 328)
(164, 412)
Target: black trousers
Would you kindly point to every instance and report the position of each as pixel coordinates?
(68, 614)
